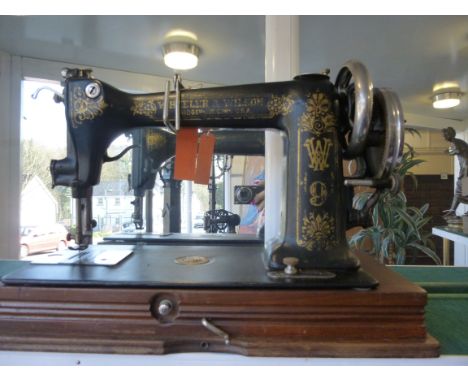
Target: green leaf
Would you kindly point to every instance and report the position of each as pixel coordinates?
(360, 200)
(422, 222)
(400, 256)
(416, 211)
(375, 216)
(412, 131)
(409, 221)
(413, 178)
(424, 208)
(396, 226)
(427, 251)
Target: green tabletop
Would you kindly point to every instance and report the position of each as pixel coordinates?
(436, 279)
(8, 266)
(447, 303)
(447, 320)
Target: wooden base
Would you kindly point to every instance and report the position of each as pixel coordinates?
(385, 322)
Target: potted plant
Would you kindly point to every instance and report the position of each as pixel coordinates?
(396, 228)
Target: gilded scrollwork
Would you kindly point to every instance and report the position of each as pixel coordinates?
(144, 108)
(316, 143)
(279, 105)
(318, 231)
(318, 150)
(318, 117)
(155, 140)
(318, 193)
(85, 108)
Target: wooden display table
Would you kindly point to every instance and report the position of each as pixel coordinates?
(384, 322)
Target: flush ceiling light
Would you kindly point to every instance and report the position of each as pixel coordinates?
(181, 35)
(181, 55)
(446, 96)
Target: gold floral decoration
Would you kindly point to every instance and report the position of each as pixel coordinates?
(318, 231)
(279, 105)
(144, 107)
(155, 140)
(318, 118)
(85, 108)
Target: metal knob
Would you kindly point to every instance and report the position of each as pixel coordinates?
(92, 90)
(165, 307)
(290, 263)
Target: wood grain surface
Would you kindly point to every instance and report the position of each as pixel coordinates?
(385, 322)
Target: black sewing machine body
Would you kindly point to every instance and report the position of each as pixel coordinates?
(314, 116)
(95, 122)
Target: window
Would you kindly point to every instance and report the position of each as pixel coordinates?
(100, 201)
(43, 137)
(117, 201)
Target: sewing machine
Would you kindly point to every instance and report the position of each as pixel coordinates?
(301, 293)
(310, 110)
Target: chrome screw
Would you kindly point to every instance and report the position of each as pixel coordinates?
(92, 90)
(165, 307)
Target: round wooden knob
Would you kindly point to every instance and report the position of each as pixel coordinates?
(290, 263)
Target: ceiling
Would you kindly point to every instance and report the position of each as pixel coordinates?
(406, 53)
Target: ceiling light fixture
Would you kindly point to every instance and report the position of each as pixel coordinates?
(446, 96)
(181, 55)
(181, 35)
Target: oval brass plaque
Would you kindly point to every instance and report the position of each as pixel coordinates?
(193, 260)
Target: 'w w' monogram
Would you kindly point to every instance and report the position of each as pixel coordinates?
(318, 150)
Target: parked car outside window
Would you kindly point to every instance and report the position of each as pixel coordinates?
(42, 238)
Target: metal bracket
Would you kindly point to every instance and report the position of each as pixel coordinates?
(57, 96)
(85, 222)
(214, 329)
(177, 85)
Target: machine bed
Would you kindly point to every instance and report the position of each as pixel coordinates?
(184, 239)
(171, 266)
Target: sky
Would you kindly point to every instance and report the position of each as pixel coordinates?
(43, 120)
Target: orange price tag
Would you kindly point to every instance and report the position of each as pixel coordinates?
(204, 158)
(186, 154)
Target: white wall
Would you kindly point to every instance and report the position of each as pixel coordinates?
(9, 156)
(38, 206)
